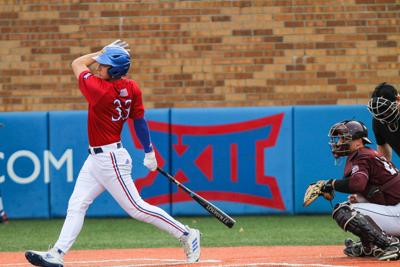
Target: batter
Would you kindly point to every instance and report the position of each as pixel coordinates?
(112, 100)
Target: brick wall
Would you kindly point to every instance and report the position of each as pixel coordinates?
(203, 53)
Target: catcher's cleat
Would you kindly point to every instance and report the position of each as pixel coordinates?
(358, 249)
(392, 252)
(4, 218)
(52, 258)
(191, 244)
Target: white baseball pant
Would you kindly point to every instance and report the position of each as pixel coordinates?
(111, 171)
(386, 217)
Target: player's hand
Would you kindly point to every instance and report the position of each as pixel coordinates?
(119, 43)
(150, 161)
(352, 198)
(327, 187)
(356, 198)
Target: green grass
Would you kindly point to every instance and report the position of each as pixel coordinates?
(103, 233)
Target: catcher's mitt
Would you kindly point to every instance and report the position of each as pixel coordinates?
(315, 190)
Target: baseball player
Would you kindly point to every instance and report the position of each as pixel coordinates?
(384, 107)
(112, 100)
(373, 182)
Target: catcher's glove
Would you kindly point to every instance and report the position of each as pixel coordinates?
(320, 188)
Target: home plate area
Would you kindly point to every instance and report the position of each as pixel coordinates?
(317, 256)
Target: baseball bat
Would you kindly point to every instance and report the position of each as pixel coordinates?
(211, 208)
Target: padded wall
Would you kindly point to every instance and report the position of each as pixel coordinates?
(256, 160)
(24, 142)
(239, 158)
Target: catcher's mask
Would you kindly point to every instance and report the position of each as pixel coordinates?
(342, 133)
(384, 106)
(385, 111)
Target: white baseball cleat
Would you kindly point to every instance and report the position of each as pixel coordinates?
(52, 258)
(191, 244)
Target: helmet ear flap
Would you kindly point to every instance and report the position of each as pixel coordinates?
(115, 71)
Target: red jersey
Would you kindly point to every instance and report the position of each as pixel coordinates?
(371, 175)
(111, 103)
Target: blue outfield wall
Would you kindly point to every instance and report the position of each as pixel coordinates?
(254, 160)
(235, 157)
(24, 180)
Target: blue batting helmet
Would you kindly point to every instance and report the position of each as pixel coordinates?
(116, 57)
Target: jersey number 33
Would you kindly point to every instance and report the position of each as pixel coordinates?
(122, 109)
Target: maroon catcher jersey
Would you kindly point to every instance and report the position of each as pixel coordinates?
(111, 103)
(372, 176)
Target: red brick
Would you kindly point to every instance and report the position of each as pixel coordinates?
(8, 15)
(284, 46)
(346, 88)
(325, 45)
(273, 39)
(326, 74)
(387, 44)
(376, 37)
(263, 61)
(220, 18)
(389, 58)
(295, 67)
(263, 32)
(241, 32)
(294, 24)
(229, 51)
(337, 81)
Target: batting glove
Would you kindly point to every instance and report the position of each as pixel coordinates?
(150, 161)
(119, 43)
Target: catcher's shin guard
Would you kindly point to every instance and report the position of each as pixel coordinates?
(362, 226)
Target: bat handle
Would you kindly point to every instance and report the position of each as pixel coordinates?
(169, 176)
(164, 172)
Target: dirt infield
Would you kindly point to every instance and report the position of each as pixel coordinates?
(322, 256)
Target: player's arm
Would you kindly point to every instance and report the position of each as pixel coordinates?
(139, 122)
(350, 185)
(82, 63)
(385, 150)
(143, 133)
(142, 129)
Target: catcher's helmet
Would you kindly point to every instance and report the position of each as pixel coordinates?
(342, 133)
(116, 57)
(384, 107)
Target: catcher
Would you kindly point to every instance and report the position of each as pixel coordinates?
(373, 184)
